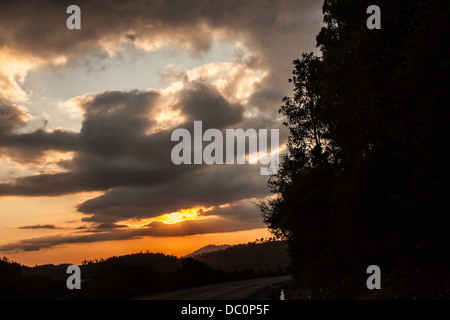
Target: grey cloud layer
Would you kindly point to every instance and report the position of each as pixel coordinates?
(39, 27)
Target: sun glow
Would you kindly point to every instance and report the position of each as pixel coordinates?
(181, 215)
(195, 213)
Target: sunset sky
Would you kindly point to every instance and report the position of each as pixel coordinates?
(86, 118)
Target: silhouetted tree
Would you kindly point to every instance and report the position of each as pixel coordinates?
(365, 179)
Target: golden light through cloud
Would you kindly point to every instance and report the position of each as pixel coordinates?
(48, 163)
(166, 118)
(12, 74)
(234, 80)
(181, 215)
(15, 66)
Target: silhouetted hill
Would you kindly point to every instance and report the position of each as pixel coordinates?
(56, 272)
(269, 256)
(17, 284)
(159, 262)
(206, 249)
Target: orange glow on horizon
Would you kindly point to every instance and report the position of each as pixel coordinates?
(178, 246)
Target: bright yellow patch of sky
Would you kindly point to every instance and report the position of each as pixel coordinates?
(169, 218)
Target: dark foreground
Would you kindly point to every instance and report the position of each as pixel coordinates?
(236, 290)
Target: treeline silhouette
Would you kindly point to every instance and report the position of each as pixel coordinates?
(140, 274)
(264, 255)
(366, 177)
(16, 284)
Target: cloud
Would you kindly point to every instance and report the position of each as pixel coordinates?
(25, 25)
(27, 146)
(109, 226)
(14, 67)
(200, 101)
(12, 117)
(39, 226)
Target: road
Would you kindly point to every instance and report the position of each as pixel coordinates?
(236, 290)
